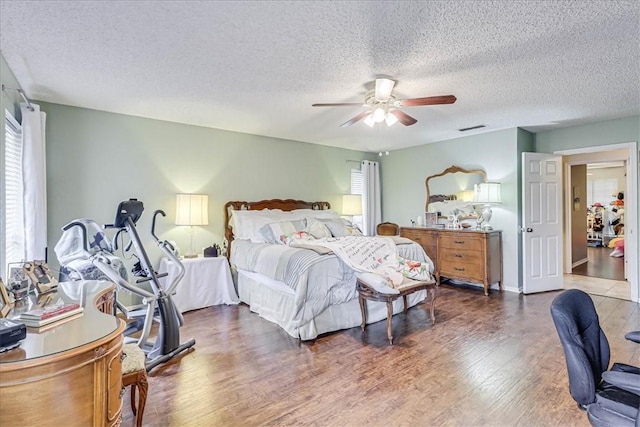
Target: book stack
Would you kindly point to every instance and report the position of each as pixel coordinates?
(44, 316)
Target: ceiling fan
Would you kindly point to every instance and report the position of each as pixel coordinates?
(385, 107)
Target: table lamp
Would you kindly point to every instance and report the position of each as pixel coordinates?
(487, 193)
(192, 209)
(351, 205)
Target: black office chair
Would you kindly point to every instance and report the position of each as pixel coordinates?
(586, 351)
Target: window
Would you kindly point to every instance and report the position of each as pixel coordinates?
(12, 227)
(356, 188)
(601, 191)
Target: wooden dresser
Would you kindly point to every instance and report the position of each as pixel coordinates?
(68, 373)
(467, 255)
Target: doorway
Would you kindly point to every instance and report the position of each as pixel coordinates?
(598, 215)
(588, 229)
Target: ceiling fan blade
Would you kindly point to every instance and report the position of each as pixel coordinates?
(384, 88)
(429, 100)
(339, 104)
(355, 119)
(403, 117)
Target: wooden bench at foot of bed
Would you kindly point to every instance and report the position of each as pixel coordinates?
(366, 292)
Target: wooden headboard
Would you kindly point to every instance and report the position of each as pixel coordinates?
(285, 205)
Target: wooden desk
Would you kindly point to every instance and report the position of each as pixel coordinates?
(69, 373)
(206, 282)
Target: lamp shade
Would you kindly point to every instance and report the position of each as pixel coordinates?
(487, 192)
(351, 204)
(192, 209)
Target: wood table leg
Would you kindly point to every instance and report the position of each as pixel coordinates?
(143, 386)
(389, 317)
(432, 308)
(363, 310)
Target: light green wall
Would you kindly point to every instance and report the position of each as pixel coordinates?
(404, 173)
(97, 159)
(594, 134)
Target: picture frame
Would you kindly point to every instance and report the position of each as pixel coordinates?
(18, 283)
(40, 276)
(5, 302)
(430, 219)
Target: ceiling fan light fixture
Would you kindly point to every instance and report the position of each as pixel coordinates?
(378, 115)
(369, 120)
(390, 119)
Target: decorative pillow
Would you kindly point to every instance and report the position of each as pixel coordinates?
(246, 224)
(353, 230)
(337, 227)
(414, 269)
(317, 229)
(294, 237)
(272, 232)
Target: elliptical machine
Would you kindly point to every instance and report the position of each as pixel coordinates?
(157, 305)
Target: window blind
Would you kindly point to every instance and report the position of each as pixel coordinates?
(356, 181)
(601, 191)
(13, 224)
(356, 188)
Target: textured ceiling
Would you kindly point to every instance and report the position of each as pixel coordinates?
(257, 67)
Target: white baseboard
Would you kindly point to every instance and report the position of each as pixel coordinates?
(579, 262)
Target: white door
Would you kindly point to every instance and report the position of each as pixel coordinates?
(541, 222)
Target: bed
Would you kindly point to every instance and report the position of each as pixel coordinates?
(305, 290)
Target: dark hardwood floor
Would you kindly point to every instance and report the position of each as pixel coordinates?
(601, 265)
(491, 361)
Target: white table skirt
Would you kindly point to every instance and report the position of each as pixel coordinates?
(206, 282)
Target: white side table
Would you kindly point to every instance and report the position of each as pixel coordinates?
(206, 282)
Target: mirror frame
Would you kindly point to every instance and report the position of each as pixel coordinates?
(451, 169)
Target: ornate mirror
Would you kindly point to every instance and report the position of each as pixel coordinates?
(451, 188)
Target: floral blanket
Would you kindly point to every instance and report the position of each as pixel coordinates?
(372, 254)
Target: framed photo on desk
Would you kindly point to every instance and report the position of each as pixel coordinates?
(40, 275)
(430, 219)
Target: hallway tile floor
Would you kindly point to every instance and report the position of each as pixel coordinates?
(592, 285)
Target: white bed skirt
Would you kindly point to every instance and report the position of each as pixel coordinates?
(274, 301)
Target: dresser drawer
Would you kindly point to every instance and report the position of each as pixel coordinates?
(425, 238)
(469, 271)
(422, 237)
(461, 241)
(459, 256)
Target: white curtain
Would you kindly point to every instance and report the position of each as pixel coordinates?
(35, 182)
(371, 213)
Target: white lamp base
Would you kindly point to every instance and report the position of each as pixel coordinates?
(485, 217)
(192, 253)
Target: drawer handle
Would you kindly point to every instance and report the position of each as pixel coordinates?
(457, 255)
(458, 269)
(459, 242)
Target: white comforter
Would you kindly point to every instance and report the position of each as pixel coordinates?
(318, 281)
